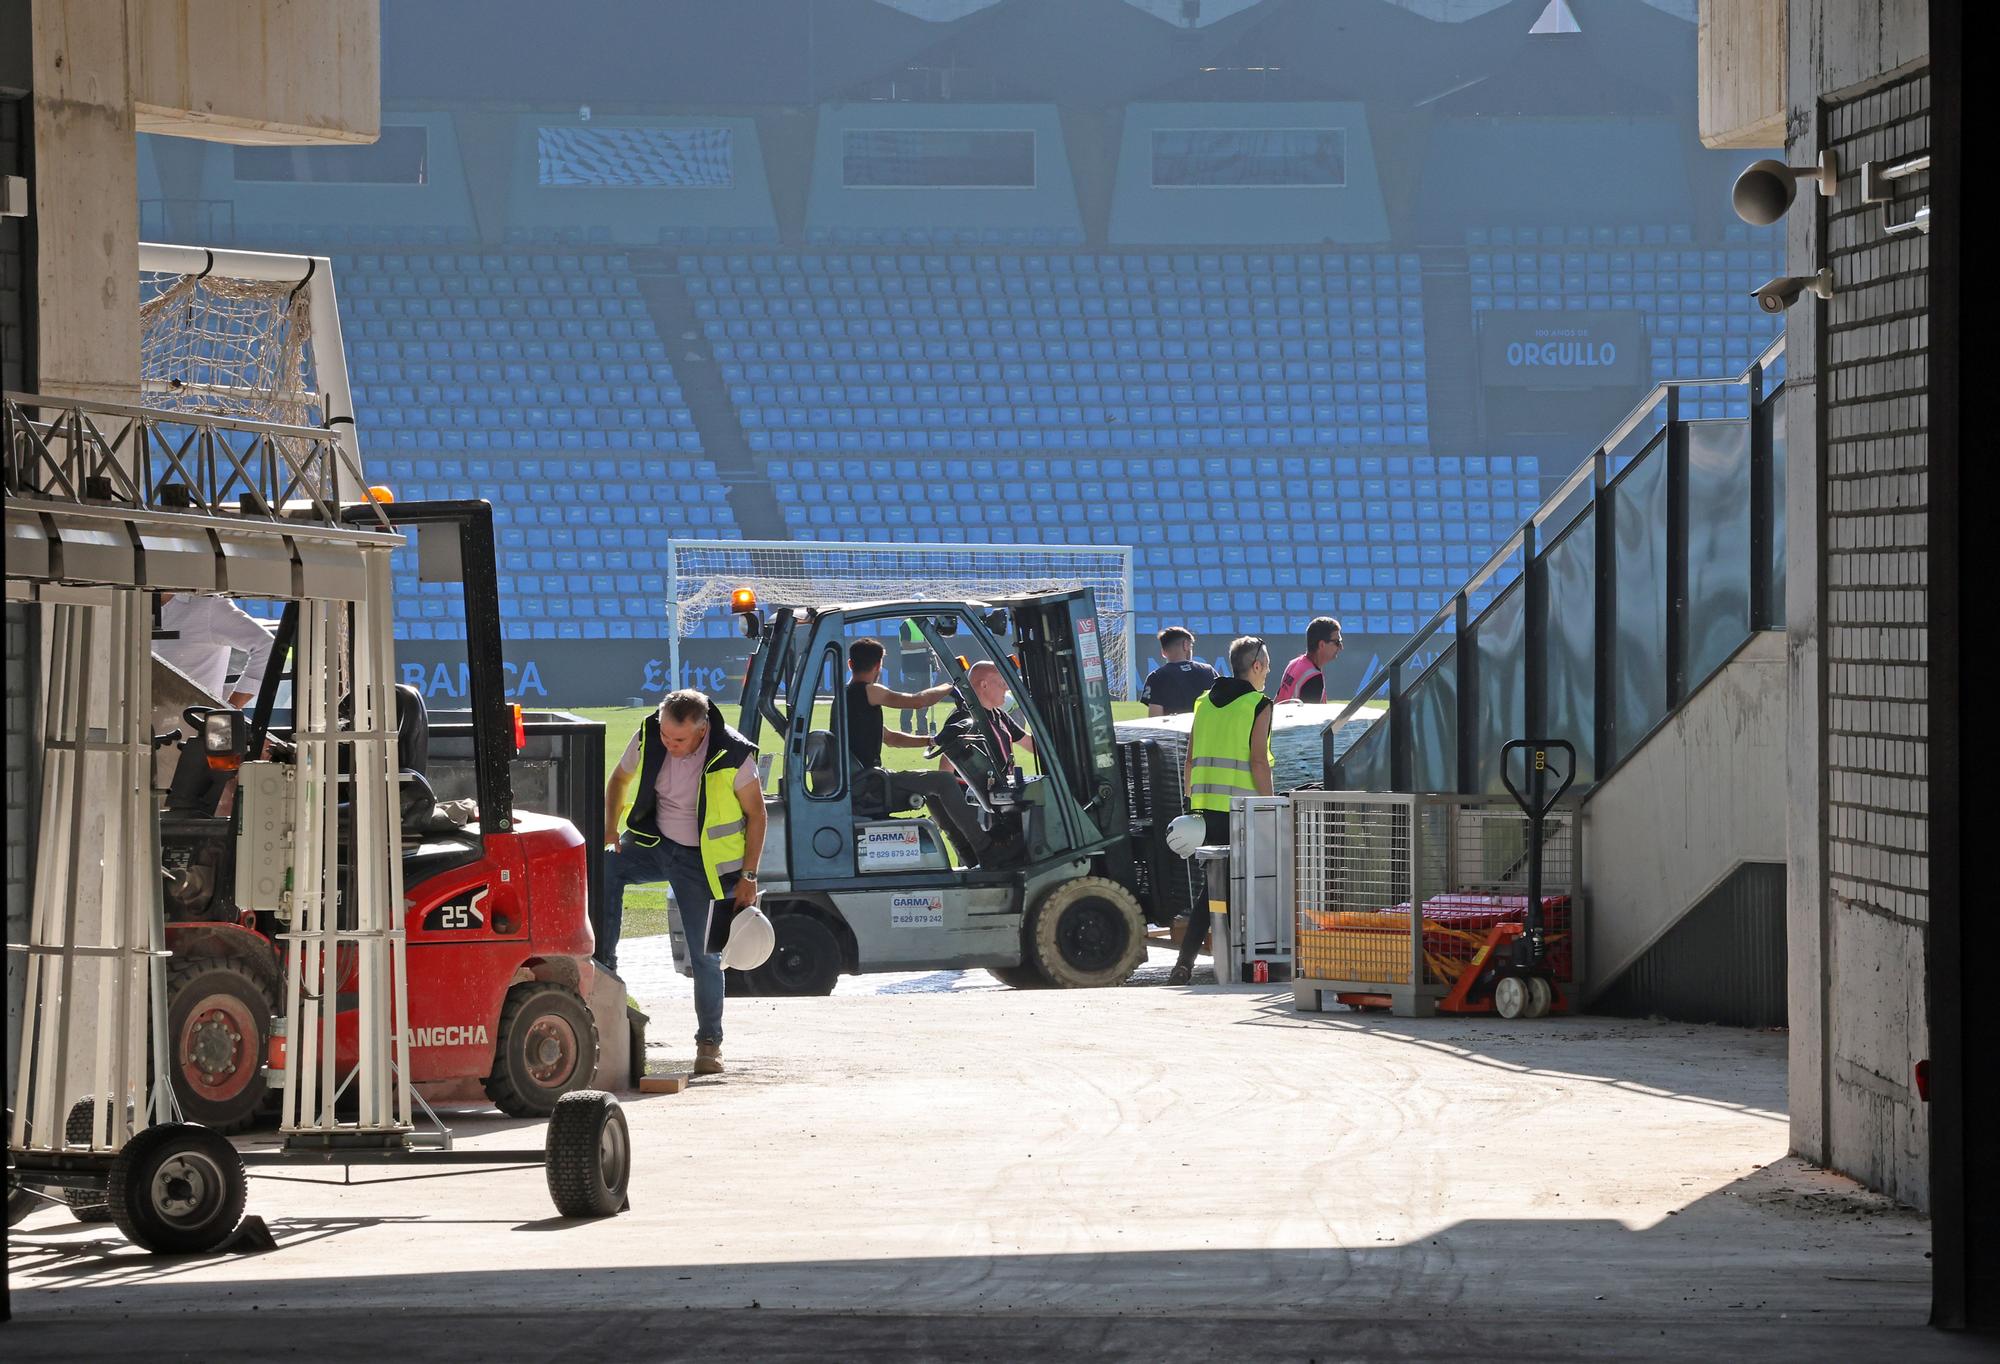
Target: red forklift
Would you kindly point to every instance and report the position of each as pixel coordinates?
(499, 938)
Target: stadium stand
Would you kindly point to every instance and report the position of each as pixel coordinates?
(536, 381)
(1701, 322)
(1381, 536)
(876, 381)
(1133, 351)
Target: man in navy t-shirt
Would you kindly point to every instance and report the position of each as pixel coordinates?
(1171, 688)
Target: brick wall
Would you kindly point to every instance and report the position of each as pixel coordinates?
(19, 697)
(13, 256)
(1859, 845)
(1874, 457)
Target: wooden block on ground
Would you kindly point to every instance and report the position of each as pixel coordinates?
(663, 1084)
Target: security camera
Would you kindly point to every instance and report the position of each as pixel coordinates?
(1774, 296)
(1766, 188)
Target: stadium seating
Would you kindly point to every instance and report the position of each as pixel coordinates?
(963, 352)
(535, 381)
(1226, 543)
(1701, 322)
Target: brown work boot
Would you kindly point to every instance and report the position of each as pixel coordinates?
(708, 1058)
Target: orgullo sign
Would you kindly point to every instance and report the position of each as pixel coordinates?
(1561, 350)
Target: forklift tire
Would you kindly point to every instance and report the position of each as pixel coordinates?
(1087, 933)
(86, 1205)
(1510, 997)
(177, 1189)
(588, 1156)
(219, 1030)
(548, 1047)
(805, 961)
(1026, 976)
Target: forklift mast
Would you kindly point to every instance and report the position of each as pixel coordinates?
(454, 543)
(1062, 662)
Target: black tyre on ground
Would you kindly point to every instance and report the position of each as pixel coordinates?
(219, 1027)
(589, 1155)
(1026, 976)
(547, 1048)
(738, 984)
(806, 960)
(177, 1189)
(1087, 933)
(87, 1205)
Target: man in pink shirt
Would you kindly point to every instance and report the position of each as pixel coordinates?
(697, 822)
(1303, 680)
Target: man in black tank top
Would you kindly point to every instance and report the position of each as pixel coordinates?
(876, 789)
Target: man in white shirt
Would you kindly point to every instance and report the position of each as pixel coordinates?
(208, 628)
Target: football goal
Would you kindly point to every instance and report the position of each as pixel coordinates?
(702, 573)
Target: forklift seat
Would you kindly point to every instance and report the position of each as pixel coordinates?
(413, 730)
(822, 758)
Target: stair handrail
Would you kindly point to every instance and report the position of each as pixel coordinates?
(1590, 470)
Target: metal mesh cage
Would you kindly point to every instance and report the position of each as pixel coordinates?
(1398, 893)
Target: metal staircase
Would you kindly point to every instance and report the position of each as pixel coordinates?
(1635, 580)
(751, 498)
(1637, 615)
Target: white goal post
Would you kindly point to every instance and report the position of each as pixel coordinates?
(702, 573)
(247, 336)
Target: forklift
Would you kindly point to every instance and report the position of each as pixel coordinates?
(1065, 892)
(495, 948)
(499, 941)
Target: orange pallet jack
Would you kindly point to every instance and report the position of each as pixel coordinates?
(1509, 975)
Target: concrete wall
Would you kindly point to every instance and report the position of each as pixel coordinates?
(644, 216)
(1698, 799)
(1856, 609)
(257, 71)
(298, 213)
(837, 213)
(1742, 64)
(1147, 215)
(86, 210)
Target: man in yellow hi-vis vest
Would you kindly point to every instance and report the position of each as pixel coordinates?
(697, 823)
(1229, 754)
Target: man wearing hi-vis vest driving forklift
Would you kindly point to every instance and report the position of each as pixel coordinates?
(697, 822)
(1229, 754)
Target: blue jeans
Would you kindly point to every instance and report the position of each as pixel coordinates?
(680, 867)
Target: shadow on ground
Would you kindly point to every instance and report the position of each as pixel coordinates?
(1851, 1281)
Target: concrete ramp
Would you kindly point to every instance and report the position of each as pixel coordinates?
(1671, 831)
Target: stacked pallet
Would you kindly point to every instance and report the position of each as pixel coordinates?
(1298, 755)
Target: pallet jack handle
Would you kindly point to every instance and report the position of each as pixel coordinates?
(1536, 802)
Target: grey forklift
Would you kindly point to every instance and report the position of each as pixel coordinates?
(1065, 892)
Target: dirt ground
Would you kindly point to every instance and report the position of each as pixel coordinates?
(1144, 1173)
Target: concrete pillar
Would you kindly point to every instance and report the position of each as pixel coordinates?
(86, 202)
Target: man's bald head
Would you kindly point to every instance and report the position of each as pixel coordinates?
(987, 684)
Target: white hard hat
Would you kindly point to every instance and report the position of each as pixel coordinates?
(1186, 834)
(751, 940)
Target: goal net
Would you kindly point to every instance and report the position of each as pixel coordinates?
(227, 347)
(702, 573)
(246, 336)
